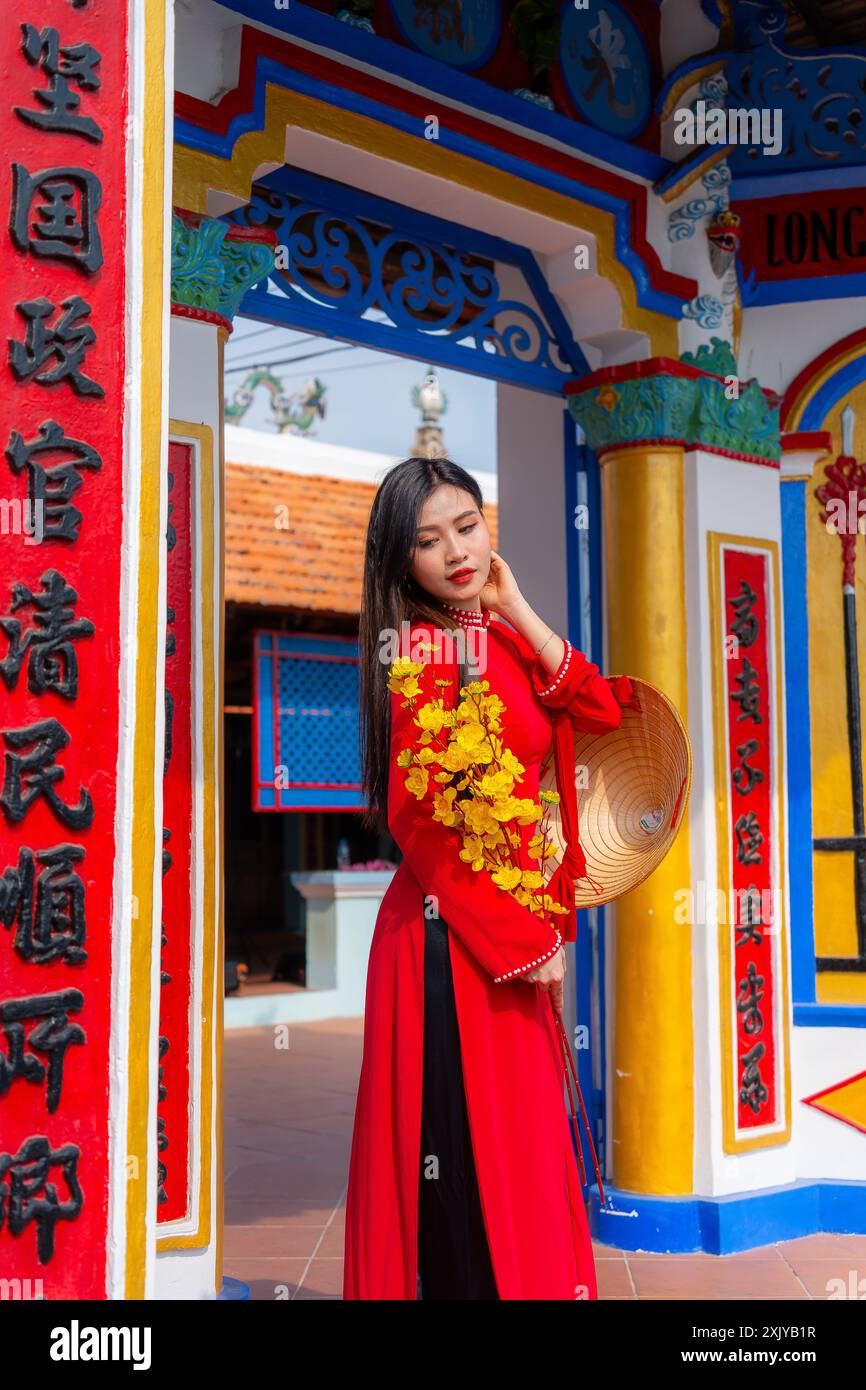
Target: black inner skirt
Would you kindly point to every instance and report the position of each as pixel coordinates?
(453, 1254)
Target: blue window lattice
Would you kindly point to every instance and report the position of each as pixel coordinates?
(305, 719)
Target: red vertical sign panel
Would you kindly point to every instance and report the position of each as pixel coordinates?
(755, 924)
(62, 315)
(176, 989)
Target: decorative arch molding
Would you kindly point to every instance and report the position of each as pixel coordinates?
(823, 382)
(373, 271)
(221, 148)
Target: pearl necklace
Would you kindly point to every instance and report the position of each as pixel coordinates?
(468, 619)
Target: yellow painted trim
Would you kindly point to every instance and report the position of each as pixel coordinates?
(139, 1142)
(715, 541)
(197, 173)
(202, 485)
(840, 987)
(715, 155)
(813, 386)
(653, 1044)
(690, 79)
(219, 990)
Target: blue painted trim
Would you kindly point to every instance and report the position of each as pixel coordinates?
(830, 1015)
(474, 63)
(583, 942)
(213, 143)
(299, 312)
(689, 65)
(233, 1290)
(834, 388)
(580, 459)
(347, 41)
(724, 1225)
(799, 738)
(743, 188)
(758, 294)
(682, 170)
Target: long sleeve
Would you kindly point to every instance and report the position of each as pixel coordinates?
(593, 701)
(504, 937)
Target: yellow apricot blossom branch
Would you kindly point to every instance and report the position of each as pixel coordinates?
(460, 750)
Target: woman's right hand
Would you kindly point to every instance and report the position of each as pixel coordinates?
(549, 978)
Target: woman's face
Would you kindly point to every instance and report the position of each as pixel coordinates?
(452, 539)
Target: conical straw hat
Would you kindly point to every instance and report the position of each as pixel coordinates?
(632, 792)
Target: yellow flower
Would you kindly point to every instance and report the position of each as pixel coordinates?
(444, 808)
(512, 764)
(404, 757)
(478, 817)
(428, 755)
(402, 678)
(496, 784)
(470, 737)
(553, 797)
(408, 687)
(403, 667)
(431, 716)
(532, 879)
(416, 782)
(506, 878)
(455, 759)
(473, 852)
(505, 808)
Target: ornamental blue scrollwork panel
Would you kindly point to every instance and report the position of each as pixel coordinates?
(605, 66)
(359, 268)
(463, 33)
(821, 95)
(305, 723)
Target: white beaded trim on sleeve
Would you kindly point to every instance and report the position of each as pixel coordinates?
(539, 960)
(548, 690)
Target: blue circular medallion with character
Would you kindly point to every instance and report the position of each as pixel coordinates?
(605, 67)
(463, 33)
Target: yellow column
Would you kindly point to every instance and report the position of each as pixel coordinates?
(652, 1074)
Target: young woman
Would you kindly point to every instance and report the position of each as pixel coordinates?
(463, 1182)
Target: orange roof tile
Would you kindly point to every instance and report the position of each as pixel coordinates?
(297, 541)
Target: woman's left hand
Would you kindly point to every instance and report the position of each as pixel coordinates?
(500, 592)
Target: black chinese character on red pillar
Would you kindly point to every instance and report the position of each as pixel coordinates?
(753, 1092)
(751, 917)
(64, 65)
(751, 992)
(52, 663)
(28, 1194)
(52, 486)
(161, 1137)
(54, 214)
(745, 776)
(52, 1036)
(62, 344)
(745, 624)
(748, 697)
(749, 836)
(48, 908)
(31, 775)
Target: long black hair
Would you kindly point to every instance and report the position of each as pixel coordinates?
(391, 596)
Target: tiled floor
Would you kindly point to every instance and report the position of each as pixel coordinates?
(289, 1105)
